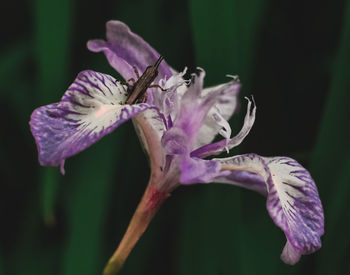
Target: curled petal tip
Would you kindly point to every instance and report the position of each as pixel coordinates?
(290, 255)
(234, 77)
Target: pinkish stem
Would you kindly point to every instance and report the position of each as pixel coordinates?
(145, 211)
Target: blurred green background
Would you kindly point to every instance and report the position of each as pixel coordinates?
(293, 56)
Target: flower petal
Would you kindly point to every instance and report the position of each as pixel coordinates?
(246, 179)
(218, 147)
(193, 119)
(168, 101)
(216, 119)
(91, 108)
(290, 255)
(292, 199)
(194, 170)
(125, 49)
(150, 127)
(189, 119)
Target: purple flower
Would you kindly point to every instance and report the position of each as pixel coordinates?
(176, 126)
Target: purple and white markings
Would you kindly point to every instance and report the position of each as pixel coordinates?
(176, 128)
(292, 199)
(92, 107)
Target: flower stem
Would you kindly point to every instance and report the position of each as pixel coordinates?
(150, 203)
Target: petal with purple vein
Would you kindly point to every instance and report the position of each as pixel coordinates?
(292, 199)
(92, 107)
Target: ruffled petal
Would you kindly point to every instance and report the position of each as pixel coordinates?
(92, 107)
(217, 117)
(180, 139)
(188, 120)
(192, 117)
(292, 199)
(168, 101)
(125, 49)
(218, 147)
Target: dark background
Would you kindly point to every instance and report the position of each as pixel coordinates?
(293, 56)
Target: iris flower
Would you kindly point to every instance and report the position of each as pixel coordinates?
(176, 121)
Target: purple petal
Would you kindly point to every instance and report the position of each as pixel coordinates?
(92, 107)
(169, 101)
(222, 145)
(292, 199)
(197, 108)
(181, 138)
(125, 49)
(175, 142)
(194, 170)
(246, 179)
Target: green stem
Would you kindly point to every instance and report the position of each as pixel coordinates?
(145, 211)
